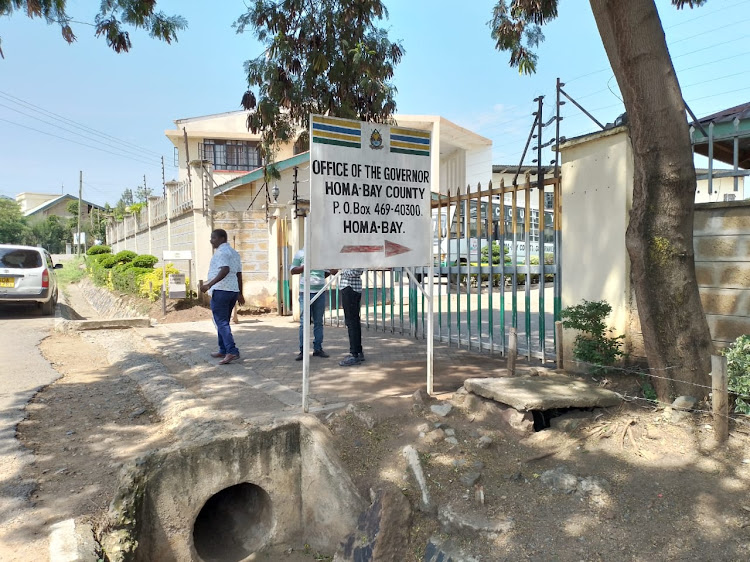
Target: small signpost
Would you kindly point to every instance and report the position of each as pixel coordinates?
(176, 284)
(370, 193)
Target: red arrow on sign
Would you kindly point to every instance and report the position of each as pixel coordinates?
(390, 248)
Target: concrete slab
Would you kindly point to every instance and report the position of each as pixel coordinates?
(107, 324)
(543, 392)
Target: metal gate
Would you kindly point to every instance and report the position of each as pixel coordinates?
(496, 259)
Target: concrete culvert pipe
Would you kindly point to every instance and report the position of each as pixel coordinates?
(233, 524)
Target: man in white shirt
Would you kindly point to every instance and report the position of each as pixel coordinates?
(225, 287)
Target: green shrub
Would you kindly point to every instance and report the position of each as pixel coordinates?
(738, 372)
(150, 284)
(125, 256)
(593, 345)
(145, 260)
(107, 261)
(99, 249)
(127, 278)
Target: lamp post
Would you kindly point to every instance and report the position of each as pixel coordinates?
(275, 193)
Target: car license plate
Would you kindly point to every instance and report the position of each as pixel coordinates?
(7, 282)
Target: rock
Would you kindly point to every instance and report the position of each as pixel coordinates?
(362, 415)
(439, 550)
(441, 410)
(470, 478)
(459, 396)
(450, 432)
(382, 530)
(423, 428)
(684, 403)
(452, 520)
(434, 437)
(459, 463)
(560, 480)
(421, 397)
(410, 453)
(490, 412)
(593, 486)
(451, 440)
(137, 413)
(484, 442)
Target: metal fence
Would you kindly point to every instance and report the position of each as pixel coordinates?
(497, 264)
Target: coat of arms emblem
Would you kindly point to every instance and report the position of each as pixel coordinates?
(376, 140)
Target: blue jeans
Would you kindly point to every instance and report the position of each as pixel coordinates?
(317, 309)
(222, 303)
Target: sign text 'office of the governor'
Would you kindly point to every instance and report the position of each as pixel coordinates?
(369, 194)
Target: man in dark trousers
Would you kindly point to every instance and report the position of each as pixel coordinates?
(225, 288)
(350, 289)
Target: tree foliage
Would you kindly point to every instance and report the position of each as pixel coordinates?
(659, 237)
(321, 56)
(13, 226)
(516, 27)
(110, 22)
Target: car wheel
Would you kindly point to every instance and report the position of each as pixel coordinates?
(48, 308)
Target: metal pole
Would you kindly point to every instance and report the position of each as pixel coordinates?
(80, 194)
(306, 322)
(430, 329)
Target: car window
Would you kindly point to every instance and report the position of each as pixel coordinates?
(49, 261)
(20, 258)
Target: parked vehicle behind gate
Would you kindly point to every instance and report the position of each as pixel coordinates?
(27, 276)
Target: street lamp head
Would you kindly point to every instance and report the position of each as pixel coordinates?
(275, 193)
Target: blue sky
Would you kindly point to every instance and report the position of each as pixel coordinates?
(121, 104)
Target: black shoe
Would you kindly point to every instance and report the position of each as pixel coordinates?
(320, 353)
(361, 357)
(349, 361)
(300, 356)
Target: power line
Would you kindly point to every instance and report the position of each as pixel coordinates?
(14, 99)
(79, 143)
(126, 150)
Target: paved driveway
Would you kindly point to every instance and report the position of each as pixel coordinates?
(23, 371)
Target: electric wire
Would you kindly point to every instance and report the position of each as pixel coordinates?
(77, 142)
(19, 101)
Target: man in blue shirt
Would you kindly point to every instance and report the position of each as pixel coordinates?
(317, 309)
(225, 287)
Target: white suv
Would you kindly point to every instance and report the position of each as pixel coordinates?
(27, 275)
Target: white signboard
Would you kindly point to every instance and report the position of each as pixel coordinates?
(369, 194)
(177, 255)
(176, 285)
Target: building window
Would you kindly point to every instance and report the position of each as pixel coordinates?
(231, 155)
(729, 197)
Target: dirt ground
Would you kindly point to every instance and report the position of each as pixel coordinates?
(633, 483)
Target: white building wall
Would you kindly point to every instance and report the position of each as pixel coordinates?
(597, 175)
(478, 165)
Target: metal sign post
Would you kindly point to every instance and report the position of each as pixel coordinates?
(370, 192)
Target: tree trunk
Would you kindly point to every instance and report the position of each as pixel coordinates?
(660, 233)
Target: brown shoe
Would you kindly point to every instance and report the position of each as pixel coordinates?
(228, 358)
(218, 354)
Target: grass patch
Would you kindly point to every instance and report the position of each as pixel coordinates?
(72, 271)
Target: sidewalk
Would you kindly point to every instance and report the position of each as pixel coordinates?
(395, 365)
(172, 363)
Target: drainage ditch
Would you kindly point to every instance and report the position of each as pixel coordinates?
(233, 524)
(260, 492)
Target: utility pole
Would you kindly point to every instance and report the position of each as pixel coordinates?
(145, 189)
(80, 195)
(163, 181)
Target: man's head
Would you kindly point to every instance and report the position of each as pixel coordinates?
(218, 237)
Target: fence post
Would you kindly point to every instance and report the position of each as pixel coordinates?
(559, 341)
(512, 351)
(720, 397)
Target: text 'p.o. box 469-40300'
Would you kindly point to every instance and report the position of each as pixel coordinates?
(369, 195)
